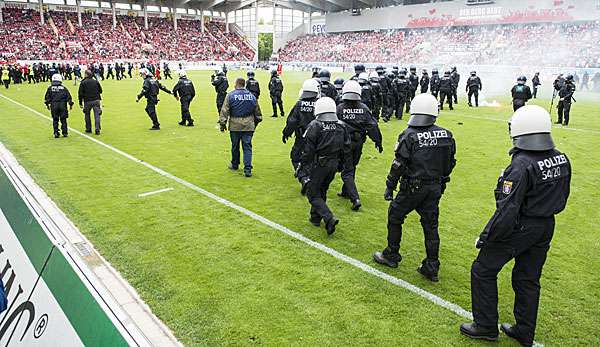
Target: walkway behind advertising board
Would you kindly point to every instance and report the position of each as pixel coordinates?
(61, 292)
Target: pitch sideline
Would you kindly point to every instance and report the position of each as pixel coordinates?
(340, 256)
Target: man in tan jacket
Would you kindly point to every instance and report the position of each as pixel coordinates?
(243, 113)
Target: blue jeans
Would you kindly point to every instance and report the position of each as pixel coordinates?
(245, 137)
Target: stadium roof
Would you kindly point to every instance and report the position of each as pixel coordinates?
(303, 5)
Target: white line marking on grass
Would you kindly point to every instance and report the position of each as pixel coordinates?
(155, 192)
(340, 256)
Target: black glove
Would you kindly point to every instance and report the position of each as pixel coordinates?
(443, 187)
(479, 243)
(389, 194)
(48, 106)
(284, 138)
(379, 147)
(223, 127)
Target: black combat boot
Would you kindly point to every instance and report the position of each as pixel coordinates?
(387, 258)
(356, 205)
(511, 332)
(330, 225)
(478, 332)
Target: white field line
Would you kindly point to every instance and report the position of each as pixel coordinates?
(155, 192)
(340, 256)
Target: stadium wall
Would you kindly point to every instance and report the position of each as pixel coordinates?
(457, 13)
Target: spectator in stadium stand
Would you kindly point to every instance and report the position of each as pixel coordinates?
(89, 97)
(242, 111)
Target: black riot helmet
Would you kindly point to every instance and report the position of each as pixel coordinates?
(413, 68)
(338, 83)
(324, 75)
(358, 68)
(434, 72)
(522, 80)
(250, 74)
(473, 73)
(570, 78)
(380, 69)
(273, 73)
(447, 73)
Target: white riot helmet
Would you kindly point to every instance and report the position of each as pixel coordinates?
(351, 91)
(424, 110)
(310, 89)
(363, 77)
(144, 72)
(326, 110)
(374, 76)
(530, 128)
(182, 74)
(56, 78)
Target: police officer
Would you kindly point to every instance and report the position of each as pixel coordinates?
(384, 85)
(276, 91)
(297, 122)
(564, 103)
(377, 94)
(56, 99)
(413, 80)
(402, 92)
(358, 69)
(391, 96)
(339, 84)
(521, 93)
(367, 96)
(434, 84)
(167, 71)
(585, 79)
(424, 82)
(530, 192)
(150, 90)
(219, 81)
(558, 83)
(184, 92)
(252, 84)
(455, 80)
(110, 73)
(327, 89)
(424, 160)
(326, 148)
(473, 87)
(446, 90)
(360, 123)
(535, 81)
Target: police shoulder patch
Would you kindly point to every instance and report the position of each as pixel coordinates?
(507, 187)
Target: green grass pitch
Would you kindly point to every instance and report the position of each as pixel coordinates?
(217, 277)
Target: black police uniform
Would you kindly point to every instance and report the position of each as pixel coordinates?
(276, 91)
(110, 73)
(377, 99)
(413, 80)
(326, 147)
(446, 91)
(424, 82)
(402, 91)
(184, 90)
(564, 105)
(473, 87)
(56, 99)
(558, 83)
(424, 160)
(328, 90)
(167, 71)
(455, 80)
(297, 122)
(253, 87)
(535, 81)
(360, 124)
(384, 85)
(391, 96)
(221, 85)
(150, 90)
(530, 191)
(434, 84)
(521, 93)
(366, 94)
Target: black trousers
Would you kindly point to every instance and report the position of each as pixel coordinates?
(443, 96)
(59, 114)
(320, 179)
(435, 93)
(528, 245)
(535, 90)
(455, 95)
(388, 106)
(151, 111)
(296, 154)
(400, 102)
(110, 75)
(186, 116)
(474, 92)
(411, 95)
(518, 103)
(424, 88)
(564, 110)
(349, 173)
(220, 101)
(376, 111)
(6, 83)
(275, 102)
(425, 201)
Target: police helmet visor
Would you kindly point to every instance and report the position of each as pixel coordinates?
(308, 95)
(351, 96)
(420, 120)
(534, 142)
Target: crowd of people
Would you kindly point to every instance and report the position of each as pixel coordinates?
(570, 44)
(61, 38)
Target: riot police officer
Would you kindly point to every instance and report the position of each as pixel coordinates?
(402, 92)
(558, 83)
(327, 89)
(424, 160)
(377, 94)
(110, 73)
(339, 84)
(446, 90)
(360, 123)
(56, 99)
(326, 148)
(167, 71)
(434, 84)
(150, 90)
(252, 84)
(413, 80)
(530, 192)
(384, 85)
(521, 93)
(276, 91)
(473, 87)
(424, 82)
(455, 80)
(391, 96)
(535, 81)
(219, 81)
(358, 69)
(184, 92)
(564, 104)
(297, 122)
(367, 96)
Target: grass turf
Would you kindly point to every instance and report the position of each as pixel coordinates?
(217, 277)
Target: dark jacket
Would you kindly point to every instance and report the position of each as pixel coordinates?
(89, 90)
